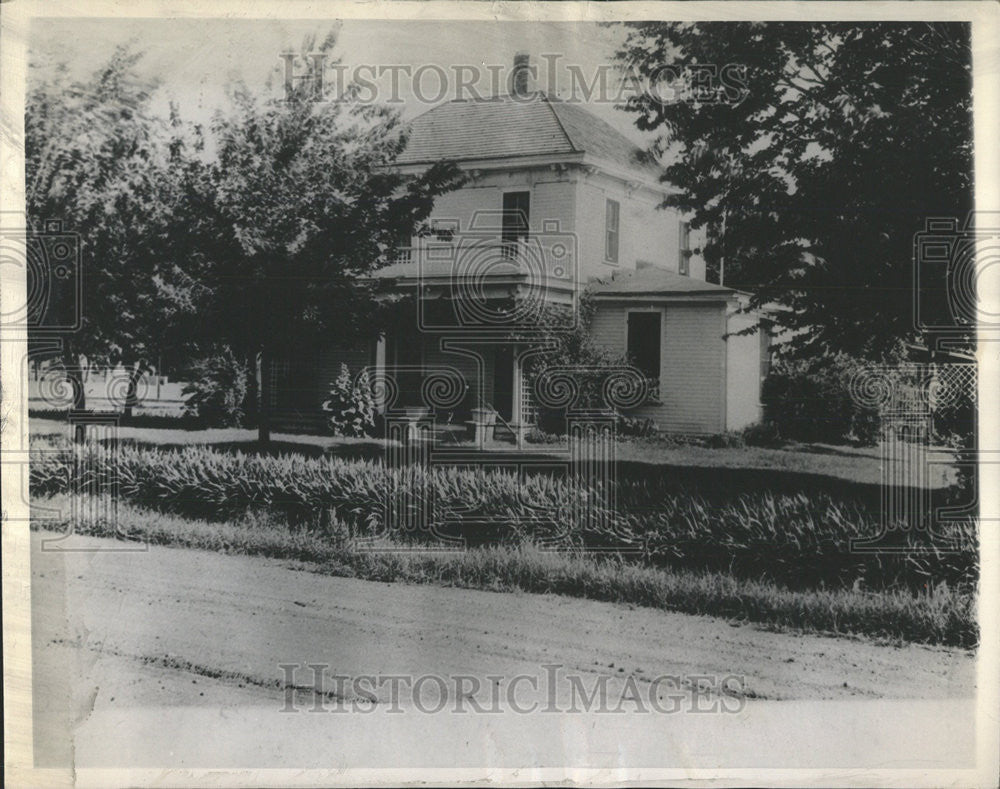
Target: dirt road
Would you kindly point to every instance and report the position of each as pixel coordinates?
(119, 635)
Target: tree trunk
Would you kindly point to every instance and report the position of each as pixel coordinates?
(263, 398)
(74, 374)
(132, 394)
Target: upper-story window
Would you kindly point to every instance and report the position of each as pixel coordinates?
(684, 253)
(611, 231)
(516, 219)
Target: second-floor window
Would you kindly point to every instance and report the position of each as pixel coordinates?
(516, 218)
(611, 232)
(683, 266)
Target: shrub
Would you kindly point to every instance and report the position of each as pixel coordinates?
(939, 615)
(810, 400)
(729, 440)
(538, 436)
(217, 390)
(351, 405)
(762, 434)
(635, 426)
(573, 348)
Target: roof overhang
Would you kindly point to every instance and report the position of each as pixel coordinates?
(643, 180)
(575, 159)
(496, 163)
(675, 296)
(501, 286)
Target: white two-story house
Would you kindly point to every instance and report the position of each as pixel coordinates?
(557, 203)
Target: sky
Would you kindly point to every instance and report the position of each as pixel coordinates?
(194, 59)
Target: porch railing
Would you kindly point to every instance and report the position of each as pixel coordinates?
(476, 251)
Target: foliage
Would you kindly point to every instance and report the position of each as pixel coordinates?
(351, 405)
(762, 434)
(800, 539)
(538, 436)
(844, 139)
(306, 203)
(255, 238)
(942, 615)
(217, 390)
(759, 434)
(810, 400)
(635, 426)
(96, 159)
(731, 439)
(573, 350)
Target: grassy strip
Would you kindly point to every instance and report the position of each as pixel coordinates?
(940, 616)
(801, 540)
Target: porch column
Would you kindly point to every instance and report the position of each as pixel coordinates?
(380, 370)
(516, 414)
(515, 411)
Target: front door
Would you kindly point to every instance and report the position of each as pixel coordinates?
(404, 357)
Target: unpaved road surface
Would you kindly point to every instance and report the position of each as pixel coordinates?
(126, 642)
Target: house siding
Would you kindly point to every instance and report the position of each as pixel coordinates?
(648, 233)
(743, 372)
(552, 200)
(692, 362)
(574, 202)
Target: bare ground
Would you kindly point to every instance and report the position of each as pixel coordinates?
(126, 633)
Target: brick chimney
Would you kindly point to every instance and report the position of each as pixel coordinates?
(520, 74)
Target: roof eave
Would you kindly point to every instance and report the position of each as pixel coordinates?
(495, 162)
(504, 279)
(633, 176)
(666, 295)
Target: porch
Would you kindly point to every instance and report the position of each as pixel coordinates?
(466, 314)
(481, 307)
(459, 386)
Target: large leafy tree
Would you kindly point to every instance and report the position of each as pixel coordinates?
(96, 161)
(305, 202)
(813, 181)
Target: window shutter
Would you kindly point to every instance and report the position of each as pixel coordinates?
(611, 224)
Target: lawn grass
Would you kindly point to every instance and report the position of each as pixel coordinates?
(852, 464)
(941, 615)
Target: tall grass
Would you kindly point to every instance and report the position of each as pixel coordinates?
(941, 615)
(798, 540)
